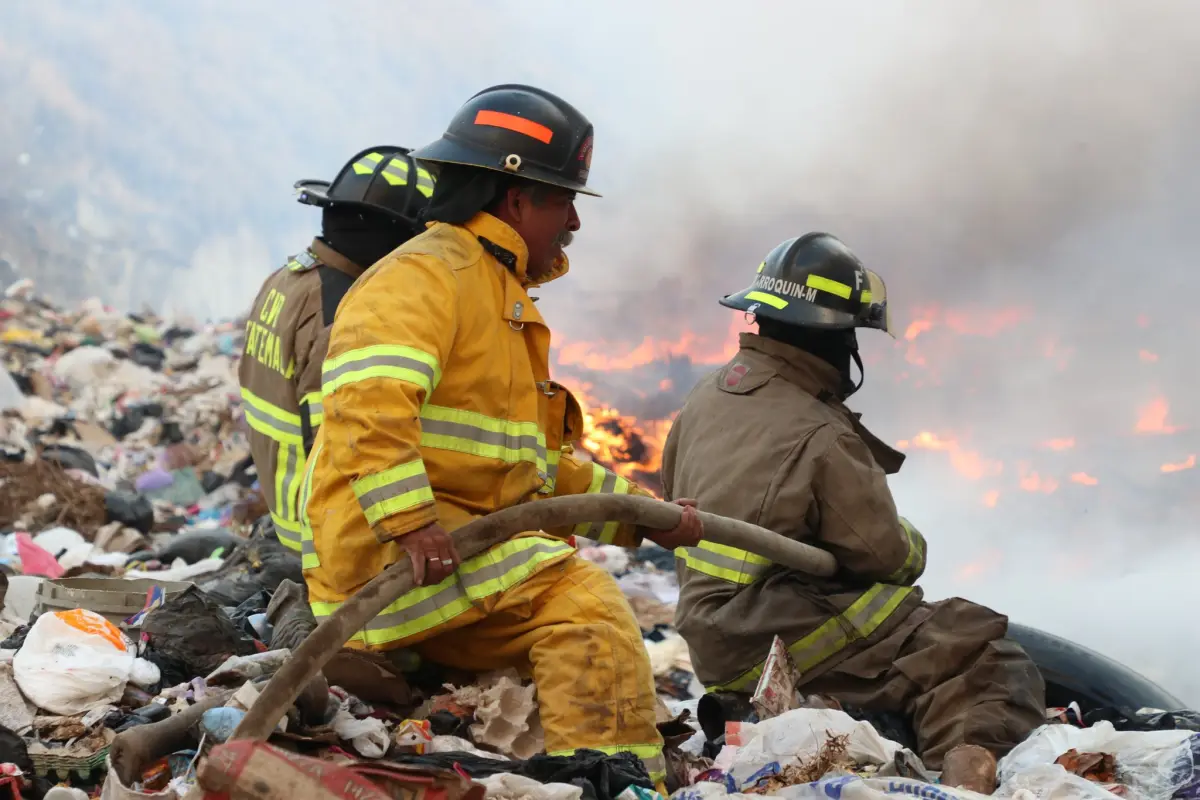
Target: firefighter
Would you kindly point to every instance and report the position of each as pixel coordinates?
(439, 408)
(368, 210)
(767, 439)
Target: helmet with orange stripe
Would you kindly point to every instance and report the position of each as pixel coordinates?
(521, 131)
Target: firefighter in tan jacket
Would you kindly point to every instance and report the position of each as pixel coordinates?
(768, 440)
(369, 209)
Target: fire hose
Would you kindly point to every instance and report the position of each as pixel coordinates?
(483, 533)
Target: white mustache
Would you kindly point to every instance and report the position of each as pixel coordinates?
(565, 238)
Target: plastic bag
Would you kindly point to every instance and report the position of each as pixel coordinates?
(1152, 764)
(1052, 781)
(73, 661)
(797, 736)
(844, 787)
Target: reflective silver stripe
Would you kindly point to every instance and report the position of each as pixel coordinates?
(263, 419)
(285, 477)
(379, 361)
(462, 588)
(394, 489)
(425, 182)
(726, 567)
(507, 441)
(396, 172)
(289, 539)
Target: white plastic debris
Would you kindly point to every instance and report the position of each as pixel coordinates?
(613, 559)
(73, 661)
(1145, 760)
(368, 736)
(507, 786)
(797, 736)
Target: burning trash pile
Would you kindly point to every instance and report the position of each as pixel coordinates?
(146, 603)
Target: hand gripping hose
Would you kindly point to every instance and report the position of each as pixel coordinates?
(477, 536)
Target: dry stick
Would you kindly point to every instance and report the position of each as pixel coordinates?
(479, 535)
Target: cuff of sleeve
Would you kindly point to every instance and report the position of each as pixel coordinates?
(398, 525)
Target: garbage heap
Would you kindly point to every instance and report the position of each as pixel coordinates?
(145, 604)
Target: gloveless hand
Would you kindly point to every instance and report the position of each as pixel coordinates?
(687, 533)
(432, 553)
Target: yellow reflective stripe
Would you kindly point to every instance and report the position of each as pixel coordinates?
(866, 297)
(287, 532)
(394, 490)
(396, 172)
(722, 561)
(761, 266)
(831, 286)
(552, 459)
(487, 574)
(915, 552)
(604, 481)
(479, 435)
(425, 182)
(287, 475)
(270, 420)
(769, 299)
(381, 361)
(312, 401)
(650, 754)
(308, 551)
(366, 164)
(861, 619)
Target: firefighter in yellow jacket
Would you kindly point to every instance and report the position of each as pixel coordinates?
(439, 408)
(768, 439)
(369, 209)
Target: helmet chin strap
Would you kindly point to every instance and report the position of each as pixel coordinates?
(849, 387)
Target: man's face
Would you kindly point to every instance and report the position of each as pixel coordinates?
(546, 220)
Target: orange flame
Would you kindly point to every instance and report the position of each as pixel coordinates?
(1146, 355)
(1059, 444)
(1084, 479)
(1152, 418)
(1031, 481)
(991, 498)
(968, 463)
(917, 327)
(1187, 463)
(988, 562)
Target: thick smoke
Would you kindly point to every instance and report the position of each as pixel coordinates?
(1023, 174)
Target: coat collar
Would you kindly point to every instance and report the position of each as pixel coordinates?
(332, 258)
(502, 235)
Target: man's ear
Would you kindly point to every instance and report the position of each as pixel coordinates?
(517, 203)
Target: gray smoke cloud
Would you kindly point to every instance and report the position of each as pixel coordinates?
(1023, 175)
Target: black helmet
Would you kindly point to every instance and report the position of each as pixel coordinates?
(815, 281)
(519, 130)
(381, 178)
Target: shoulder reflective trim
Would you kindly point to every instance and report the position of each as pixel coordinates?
(366, 164)
(769, 299)
(827, 285)
(301, 262)
(488, 437)
(308, 551)
(425, 607)
(650, 754)
(604, 481)
(394, 490)
(381, 361)
(914, 563)
(287, 532)
(861, 619)
(270, 420)
(312, 401)
(552, 459)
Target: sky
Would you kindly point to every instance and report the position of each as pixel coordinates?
(1024, 176)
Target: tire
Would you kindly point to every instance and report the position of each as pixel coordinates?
(1074, 673)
